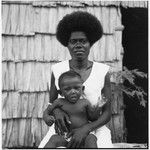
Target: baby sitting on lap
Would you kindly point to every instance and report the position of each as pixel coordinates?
(78, 109)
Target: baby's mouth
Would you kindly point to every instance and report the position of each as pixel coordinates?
(73, 96)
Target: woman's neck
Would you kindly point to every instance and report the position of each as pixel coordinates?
(79, 64)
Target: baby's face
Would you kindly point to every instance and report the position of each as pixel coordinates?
(71, 89)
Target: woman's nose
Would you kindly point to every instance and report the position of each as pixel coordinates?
(78, 46)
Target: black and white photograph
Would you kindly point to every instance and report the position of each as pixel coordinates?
(74, 74)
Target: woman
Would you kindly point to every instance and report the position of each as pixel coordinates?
(78, 31)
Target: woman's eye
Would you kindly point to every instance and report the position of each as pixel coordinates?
(83, 41)
(72, 41)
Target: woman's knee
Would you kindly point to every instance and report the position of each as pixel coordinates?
(58, 140)
(54, 138)
(91, 137)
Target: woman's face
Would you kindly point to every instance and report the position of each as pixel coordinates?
(78, 45)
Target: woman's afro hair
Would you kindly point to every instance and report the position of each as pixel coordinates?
(79, 21)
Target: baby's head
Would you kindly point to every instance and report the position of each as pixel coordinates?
(70, 84)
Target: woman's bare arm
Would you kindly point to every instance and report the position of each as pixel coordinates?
(106, 110)
(53, 90)
(53, 95)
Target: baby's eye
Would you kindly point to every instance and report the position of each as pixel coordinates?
(77, 87)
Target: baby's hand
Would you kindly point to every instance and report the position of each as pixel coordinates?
(95, 112)
(102, 101)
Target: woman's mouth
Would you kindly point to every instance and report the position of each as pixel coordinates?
(79, 52)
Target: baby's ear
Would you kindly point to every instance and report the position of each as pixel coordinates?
(83, 88)
(59, 92)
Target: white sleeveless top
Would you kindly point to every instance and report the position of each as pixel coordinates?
(93, 84)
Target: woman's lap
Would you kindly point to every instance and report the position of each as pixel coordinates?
(46, 138)
(103, 135)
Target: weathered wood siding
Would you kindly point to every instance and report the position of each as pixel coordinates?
(30, 48)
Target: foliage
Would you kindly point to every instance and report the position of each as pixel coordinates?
(133, 90)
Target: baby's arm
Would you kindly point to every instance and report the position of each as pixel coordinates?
(93, 112)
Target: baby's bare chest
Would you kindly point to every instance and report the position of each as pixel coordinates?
(78, 108)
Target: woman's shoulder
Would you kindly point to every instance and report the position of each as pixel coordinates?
(101, 67)
(62, 63)
(59, 67)
(100, 64)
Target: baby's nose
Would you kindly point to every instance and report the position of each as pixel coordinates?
(73, 91)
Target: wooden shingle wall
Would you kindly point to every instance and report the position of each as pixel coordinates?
(30, 48)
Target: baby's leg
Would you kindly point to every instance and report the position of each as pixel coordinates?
(56, 141)
(90, 141)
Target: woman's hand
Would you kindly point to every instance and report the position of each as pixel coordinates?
(77, 137)
(61, 121)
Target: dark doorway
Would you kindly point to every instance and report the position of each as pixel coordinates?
(135, 43)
